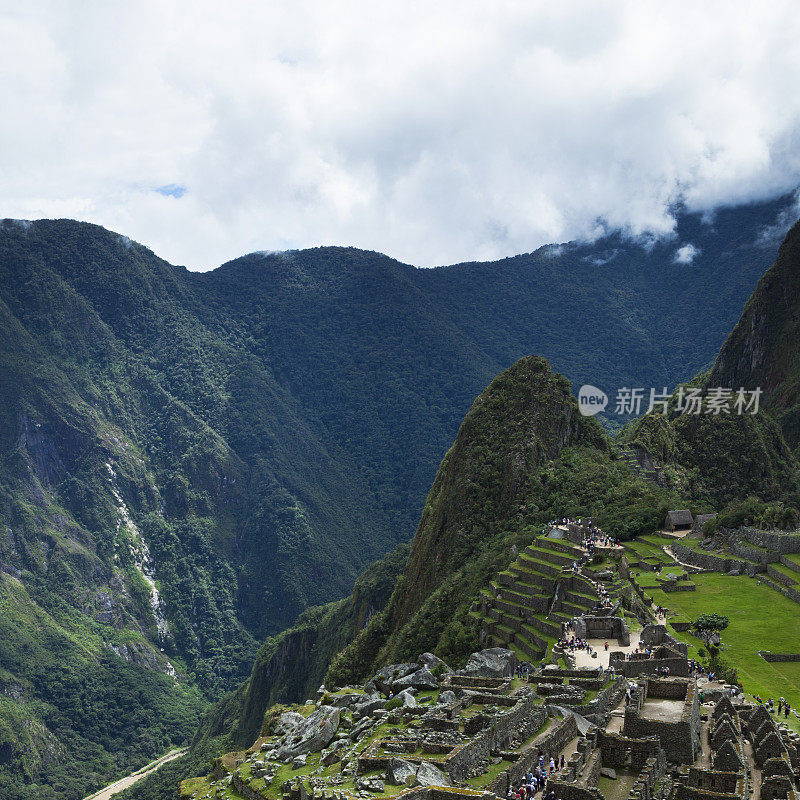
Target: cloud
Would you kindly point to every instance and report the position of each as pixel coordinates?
(433, 132)
(772, 235)
(686, 254)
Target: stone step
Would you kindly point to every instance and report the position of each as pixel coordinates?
(536, 602)
(531, 651)
(501, 631)
(516, 609)
(526, 583)
(535, 564)
(580, 599)
(570, 610)
(541, 554)
(787, 562)
(560, 545)
(546, 627)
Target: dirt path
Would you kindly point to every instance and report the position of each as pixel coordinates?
(129, 780)
(755, 772)
(668, 550)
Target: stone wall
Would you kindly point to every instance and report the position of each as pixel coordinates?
(664, 688)
(778, 541)
(780, 577)
(680, 739)
(518, 724)
(714, 563)
(607, 698)
(678, 667)
(587, 626)
(572, 791)
(787, 562)
(787, 591)
(772, 657)
(550, 743)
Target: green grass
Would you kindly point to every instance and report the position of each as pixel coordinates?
(760, 619)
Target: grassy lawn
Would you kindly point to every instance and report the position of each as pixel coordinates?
(760, 619)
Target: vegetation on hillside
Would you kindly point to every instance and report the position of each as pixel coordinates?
(165, 435)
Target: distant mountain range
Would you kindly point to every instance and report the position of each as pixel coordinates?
(189, 460)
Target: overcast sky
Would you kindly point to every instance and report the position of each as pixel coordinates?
(435, 132)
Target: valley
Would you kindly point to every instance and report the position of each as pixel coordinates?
(168, 434)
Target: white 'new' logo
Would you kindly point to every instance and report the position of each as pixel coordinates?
(591, 400)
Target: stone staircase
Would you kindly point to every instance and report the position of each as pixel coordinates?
(642, 463)
(526, 605)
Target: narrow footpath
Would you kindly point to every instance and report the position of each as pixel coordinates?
(129, 780)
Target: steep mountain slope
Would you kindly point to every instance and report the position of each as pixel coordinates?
(165, 435)
(723, 458)
(522, 455)
(762, 350)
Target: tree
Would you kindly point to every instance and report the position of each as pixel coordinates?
(709, 624)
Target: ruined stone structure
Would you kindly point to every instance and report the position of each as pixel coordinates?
(669, 709)
(588, 626)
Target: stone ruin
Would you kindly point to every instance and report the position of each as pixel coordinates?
(666, 653)
(588, 626)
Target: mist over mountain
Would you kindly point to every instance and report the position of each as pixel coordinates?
(188, 461)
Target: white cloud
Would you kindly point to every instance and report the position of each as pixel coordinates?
(686, 254)
(432, 132)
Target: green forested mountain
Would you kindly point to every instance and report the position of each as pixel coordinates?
(726, 458)
(762, 349)
(524, 455)
(187, 461)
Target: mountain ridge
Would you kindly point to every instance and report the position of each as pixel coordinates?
(295, 421)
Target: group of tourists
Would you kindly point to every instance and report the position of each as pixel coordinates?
(783, 706)
(536, 780)
(522, 670)
(574, 643)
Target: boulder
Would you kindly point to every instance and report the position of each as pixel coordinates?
(409, 701)
(607, 772)
(431, 661)
(288, 722)
(399, 771)
(344, 700)
(313, 734)
(446, 698)
(368, 707)
(299, 761)
(428, 775)
(420, 679)
(334, 753)
(384, 678)
(369, 785)
(360, 728)
(495, 662)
